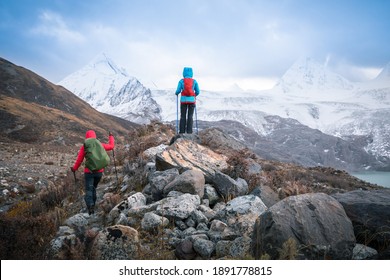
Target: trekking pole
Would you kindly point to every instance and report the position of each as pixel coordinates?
(75, 179)
(177, 114)
(116, 172)
(113, 155)
(196, 121)
(74, 176)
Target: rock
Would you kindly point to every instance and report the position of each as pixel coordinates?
(185, 251)
(207, 211)
(199, 217)
(315, 222)
(211, 194)
(181, 225)
(217, 225)
(369, 212)
(77, 222)
(65, 239)
(202, 227)
(241, 213)
(151, 153)
(152, 222)
(189, 231)
(253, 168)
(158, 180)
(205, 248)
(227, 187)
(185, 154)
(222, 248)
(190, 222)
(363, 252)
(114, 214)
(240, 247)
(180, 207)
(191, 181)
(266, 194)
(116, 243)
(220, 231)
(150, 167)
(136, 200)
(122, 220)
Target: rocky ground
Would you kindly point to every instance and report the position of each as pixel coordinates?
(145, 206)
(25, 169)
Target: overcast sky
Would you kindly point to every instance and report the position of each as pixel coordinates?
(247, 42)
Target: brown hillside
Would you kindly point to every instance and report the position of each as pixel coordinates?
(34, 110)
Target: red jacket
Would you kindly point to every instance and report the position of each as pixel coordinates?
(81, 154)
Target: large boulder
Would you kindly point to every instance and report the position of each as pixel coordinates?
(241, 213)
(315, 225)
(116, 243)
(157, 182)
(178, 208)
(191, 181)
(227, 187)
(369, 212)
(185, 154)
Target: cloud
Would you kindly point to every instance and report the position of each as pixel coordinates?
(244, 42)
(53, 25)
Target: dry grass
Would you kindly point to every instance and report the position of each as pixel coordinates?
(238, 168)
(289, 250)
(28, 227)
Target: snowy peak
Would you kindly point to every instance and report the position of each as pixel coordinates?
(309, 76)
(105, 65)
(109, 89)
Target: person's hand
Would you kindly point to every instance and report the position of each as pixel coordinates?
(72, 169)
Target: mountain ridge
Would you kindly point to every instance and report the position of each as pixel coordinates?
(109, 89)
(33, 109)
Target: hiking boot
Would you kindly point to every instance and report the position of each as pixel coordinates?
(91, 210)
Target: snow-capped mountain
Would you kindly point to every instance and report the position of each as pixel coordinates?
(109, 89)
(307, 76)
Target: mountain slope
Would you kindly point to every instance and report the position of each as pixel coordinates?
(290, 141)
(111, 90)
(34, 110)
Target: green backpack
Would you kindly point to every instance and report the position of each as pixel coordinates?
(95, 155)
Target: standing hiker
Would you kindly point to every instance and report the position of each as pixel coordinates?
(189, 89)
(96, 159)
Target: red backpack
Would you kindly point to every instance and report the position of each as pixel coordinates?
(188, 87)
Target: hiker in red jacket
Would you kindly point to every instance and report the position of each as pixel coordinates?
(189, 89)
(92, 177)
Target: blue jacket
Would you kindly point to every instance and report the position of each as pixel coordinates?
(187, 73)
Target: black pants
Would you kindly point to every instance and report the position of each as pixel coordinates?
(186, 117)
(91, 182)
